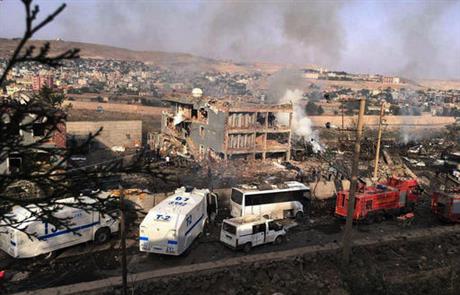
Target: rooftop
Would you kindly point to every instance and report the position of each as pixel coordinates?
(228, 104)
(288, 185)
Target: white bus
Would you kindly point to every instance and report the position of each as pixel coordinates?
(84, 226)
(286, 200)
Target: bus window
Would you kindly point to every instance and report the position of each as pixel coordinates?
(237, 196)
(273, 197)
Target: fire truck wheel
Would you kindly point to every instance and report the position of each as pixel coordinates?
(370, 219)
(410, 208)
(102, 235)
(247, 247)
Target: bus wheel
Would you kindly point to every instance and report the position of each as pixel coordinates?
(299, 216)
(247, 247)
(279, 240)
(102, 235)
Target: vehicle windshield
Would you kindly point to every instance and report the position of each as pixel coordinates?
(279, 226)
(229, 228)
(237, 196)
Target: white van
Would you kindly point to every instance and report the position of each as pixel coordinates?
(275, 201)
(171, 226)
(84, 226)
(249, 231)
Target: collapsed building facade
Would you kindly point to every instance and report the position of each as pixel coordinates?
(227, 129)
(37, 143)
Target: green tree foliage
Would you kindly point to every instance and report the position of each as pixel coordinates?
(312, 109)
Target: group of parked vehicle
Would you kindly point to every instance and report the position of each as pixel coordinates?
(171, 227)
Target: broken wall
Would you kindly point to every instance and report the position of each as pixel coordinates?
(211, 135)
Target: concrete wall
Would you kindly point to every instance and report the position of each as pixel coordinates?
(114, 133)
(424, 121)
(214, 132)
(116, 107)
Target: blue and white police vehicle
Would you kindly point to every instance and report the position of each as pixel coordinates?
(171, 226)
(44, 238)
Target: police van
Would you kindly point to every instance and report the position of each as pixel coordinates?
(45, 238)
(251, 230)
(171, 226)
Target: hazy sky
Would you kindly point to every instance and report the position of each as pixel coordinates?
(410, 38)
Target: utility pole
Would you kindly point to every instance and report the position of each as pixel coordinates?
(343, 123)
(124, 268)
(346, 241)
(379, 137)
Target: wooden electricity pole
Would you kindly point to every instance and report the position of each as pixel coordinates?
(124, 268)
(346, 241)
(379, 137)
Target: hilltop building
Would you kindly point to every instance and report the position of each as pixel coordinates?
(227, 129)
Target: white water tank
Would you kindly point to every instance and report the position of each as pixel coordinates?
(197, 92)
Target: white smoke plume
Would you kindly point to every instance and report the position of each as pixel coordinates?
(301, 124)
(179, 117)
(286, 86)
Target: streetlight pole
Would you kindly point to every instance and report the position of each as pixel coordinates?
(347, 236)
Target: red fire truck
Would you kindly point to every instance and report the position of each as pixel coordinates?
(446, 205)
(392, 197)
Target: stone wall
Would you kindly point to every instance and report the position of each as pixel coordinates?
(116, 107)
(423, 121)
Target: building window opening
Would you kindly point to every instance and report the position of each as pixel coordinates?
(14, 164)
(38, 129)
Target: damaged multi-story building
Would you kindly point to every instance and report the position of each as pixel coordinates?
(228, 129)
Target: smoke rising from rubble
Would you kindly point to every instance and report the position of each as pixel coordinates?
(285, 87)
(406, 132)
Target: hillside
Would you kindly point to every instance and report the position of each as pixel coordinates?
(163, 59)
(190, 62)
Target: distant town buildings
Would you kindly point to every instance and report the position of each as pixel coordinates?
(390, 80)
(39, 81)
